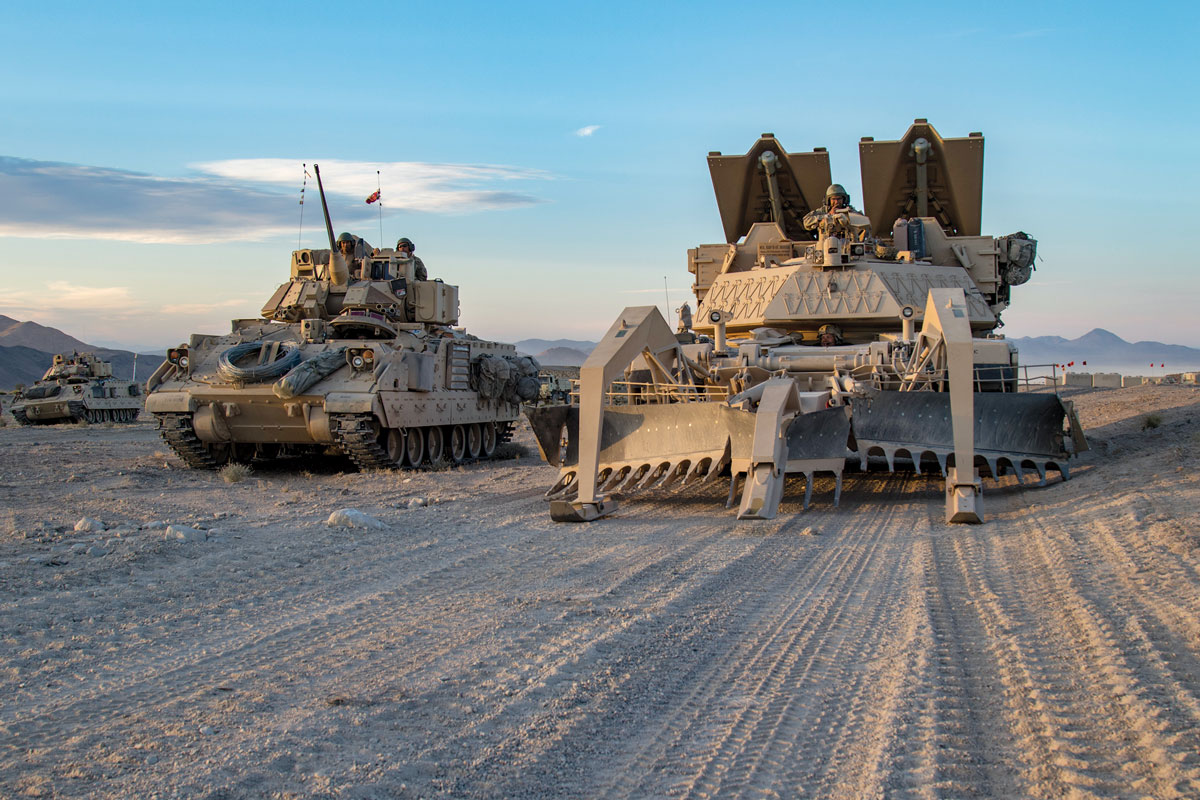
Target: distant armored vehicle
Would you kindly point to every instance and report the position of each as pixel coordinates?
(78, 387)
(355, 354)
(822, 334)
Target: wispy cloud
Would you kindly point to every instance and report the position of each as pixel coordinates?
(65, 296)
(202, 308)
(587, 130)
(242, 199)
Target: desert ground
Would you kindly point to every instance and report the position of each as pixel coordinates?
(221, 640)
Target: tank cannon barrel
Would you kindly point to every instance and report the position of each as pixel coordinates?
(339, 271)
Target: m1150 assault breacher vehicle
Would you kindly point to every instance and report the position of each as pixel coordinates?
(354, 355)
(823, 334)
(78, 387)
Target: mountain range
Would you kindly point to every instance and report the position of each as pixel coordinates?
(1104, 351)
(27, 348)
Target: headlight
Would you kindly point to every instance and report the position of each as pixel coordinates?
(714, 317)
(183, 362)
(357, 362)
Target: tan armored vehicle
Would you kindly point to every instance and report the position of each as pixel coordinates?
(78, 387)
(822, 334)
(355, 354)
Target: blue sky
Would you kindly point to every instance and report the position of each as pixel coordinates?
(150, 155)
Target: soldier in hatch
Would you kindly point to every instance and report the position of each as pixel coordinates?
(347, 244)
(406, 249)
(830, 335)
(836, 200)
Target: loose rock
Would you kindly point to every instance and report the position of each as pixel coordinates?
(353, 518)
(89, 524)
(186, 534)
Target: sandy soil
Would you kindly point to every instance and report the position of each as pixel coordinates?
(474, 649)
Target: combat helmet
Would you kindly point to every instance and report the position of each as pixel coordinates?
(831, 329)
(834, 190)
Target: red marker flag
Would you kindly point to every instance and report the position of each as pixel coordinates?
(374, 196)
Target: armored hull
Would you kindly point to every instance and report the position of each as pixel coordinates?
(78, 388)
(407, 401)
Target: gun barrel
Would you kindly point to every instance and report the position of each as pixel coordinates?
(338, 269)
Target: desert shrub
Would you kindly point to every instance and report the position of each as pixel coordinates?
(235, 473)
(1151, 421)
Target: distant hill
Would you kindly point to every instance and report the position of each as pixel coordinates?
(561, 357)
(14, 333)
(21, 365)
(534, 346)
(1104, 351)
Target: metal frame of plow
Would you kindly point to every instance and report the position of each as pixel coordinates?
(768, 456)
(636, 329)
(947, 329)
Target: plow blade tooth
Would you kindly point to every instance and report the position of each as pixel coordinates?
(566, 485)
(632, 478)
(700, 472)
(613, 477)
(675, 476)
(993, 466)
(653, 476)
(1041, 471)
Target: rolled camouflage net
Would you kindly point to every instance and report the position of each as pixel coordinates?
(307, 373)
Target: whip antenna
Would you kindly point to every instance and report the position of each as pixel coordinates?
(303, 186)
(379, 193)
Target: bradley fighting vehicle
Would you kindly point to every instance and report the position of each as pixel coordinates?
(78, 387)
(354, 354)
(822, 334)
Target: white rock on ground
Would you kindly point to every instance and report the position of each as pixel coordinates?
(186, 534)
(89, 524)
(353, 518)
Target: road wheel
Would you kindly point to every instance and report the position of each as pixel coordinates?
(435, 445)
(474, 440)
(488, 446)
(395, 446)
(458, 443)
(414, 447)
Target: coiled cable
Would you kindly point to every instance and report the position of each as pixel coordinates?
(289, 356)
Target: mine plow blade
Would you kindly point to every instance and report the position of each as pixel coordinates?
(641, 447)
(1021, 433)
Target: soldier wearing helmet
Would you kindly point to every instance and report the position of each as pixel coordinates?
(406, 249)
(829, 335)
(347, 245)
(837, 200)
